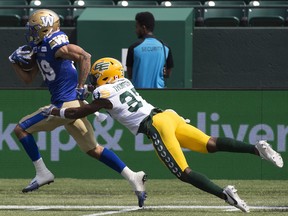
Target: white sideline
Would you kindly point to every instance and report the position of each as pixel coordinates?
(114, 212)
(121, 209)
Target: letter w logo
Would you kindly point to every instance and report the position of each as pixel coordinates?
(47, 20)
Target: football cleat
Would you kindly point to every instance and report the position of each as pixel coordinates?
(138, 184)
(234, 200)
(39, 181)
(267, 153)
(141, 195)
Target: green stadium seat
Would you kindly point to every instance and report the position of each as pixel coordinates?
(180, 3)
(88, 3)
(194, 4)
(63, 12)
(18, 16)
(231, 13)
(11, 20)
(137, 3)
(98, 2)
(268, 16)
(16, 2)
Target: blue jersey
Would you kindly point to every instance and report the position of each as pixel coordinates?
(60, 75)
(147, 59)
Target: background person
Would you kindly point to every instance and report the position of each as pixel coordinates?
(149, 60)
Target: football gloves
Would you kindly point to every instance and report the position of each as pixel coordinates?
(46, 111)
(20, 55)
(100, 117)
(83, 93)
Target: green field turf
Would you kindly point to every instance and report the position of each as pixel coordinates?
(69, 197)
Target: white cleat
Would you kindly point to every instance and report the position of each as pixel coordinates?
(138, 184)
(39, 181)
(267, 153)
(234, 200)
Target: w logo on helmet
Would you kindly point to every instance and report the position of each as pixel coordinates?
(47, 20)
(101, 66)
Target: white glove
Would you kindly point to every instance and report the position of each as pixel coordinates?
(100, 117)
(46, 111)
(21, 55)
(83, 93)
(187, 120)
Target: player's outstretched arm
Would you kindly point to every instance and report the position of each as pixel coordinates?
(79, 112)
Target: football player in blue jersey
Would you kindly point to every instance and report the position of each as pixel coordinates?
(149, 60)
(55, 58)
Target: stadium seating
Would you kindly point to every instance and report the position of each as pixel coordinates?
(9, 20)
(136, 3)
(268, 16)
(88, 3)
(195, 4)
(231, 13)
(207, 13)
(59, 6)
(13, 16)
(85, 3)
(180, 3)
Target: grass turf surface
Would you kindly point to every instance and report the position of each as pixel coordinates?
(87, 197)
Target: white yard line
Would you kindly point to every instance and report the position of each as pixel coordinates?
(114, 212)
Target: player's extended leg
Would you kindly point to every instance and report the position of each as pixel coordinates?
(166, 144)
(262, 149)
(136, 179)
(23, 131)
(83, 133)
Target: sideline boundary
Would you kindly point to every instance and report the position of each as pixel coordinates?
(109, 210)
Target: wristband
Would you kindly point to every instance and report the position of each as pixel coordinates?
(62, 112)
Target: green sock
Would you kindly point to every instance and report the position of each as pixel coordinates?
(231, 145)
(202, 182)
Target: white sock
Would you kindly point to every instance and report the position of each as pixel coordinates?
(128, 174)
(40, 166)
